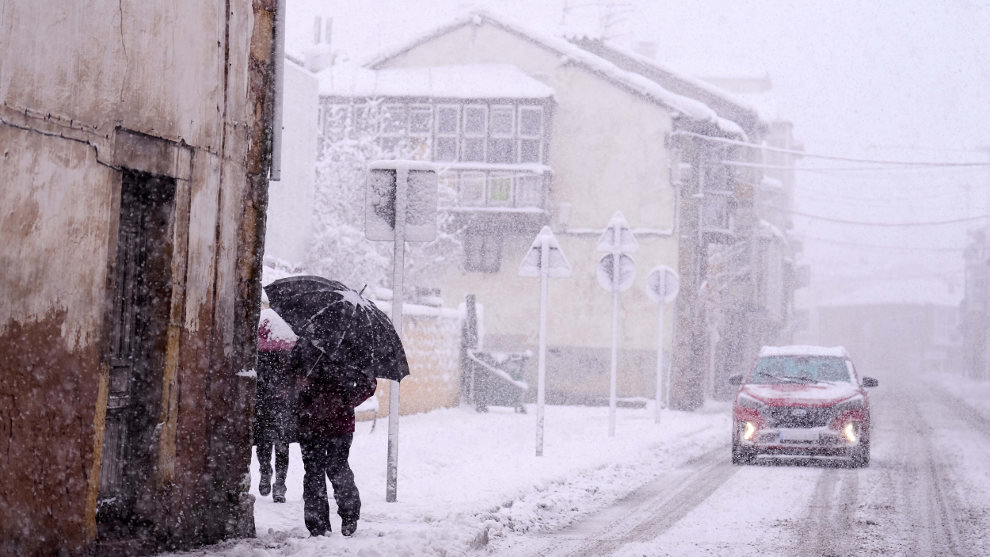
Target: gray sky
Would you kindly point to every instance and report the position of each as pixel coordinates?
(885, 79)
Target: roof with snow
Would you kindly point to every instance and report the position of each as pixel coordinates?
(472, 81)
(726, 104)
(803, 350)
(570, 53)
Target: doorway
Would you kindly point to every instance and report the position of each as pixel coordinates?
(139, 311)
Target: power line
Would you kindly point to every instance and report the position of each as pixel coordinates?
(868, 223)
(824, 169)
(875, 246)
(826, 157)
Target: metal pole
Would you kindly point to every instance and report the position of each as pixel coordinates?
(398, 271)
(542, 369)
(659, 358)
(615, 332)
(275, 171)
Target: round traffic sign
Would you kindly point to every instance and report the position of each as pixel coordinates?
(606, 270)
(662, 284)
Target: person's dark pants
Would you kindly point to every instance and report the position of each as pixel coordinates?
(323, 458)
(264, 449)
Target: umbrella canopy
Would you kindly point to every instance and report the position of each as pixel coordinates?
(347, 330)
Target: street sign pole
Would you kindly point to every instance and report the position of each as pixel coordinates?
(398, 276)
(616, 255)
(400, 206)
(659, 361)
(541, 381)
(616, 272)
(545, 260)
(661, 286)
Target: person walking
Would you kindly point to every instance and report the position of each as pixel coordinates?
(274, 400)
(324, 414)
(272, 423)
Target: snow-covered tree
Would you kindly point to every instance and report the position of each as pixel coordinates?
(352, 137)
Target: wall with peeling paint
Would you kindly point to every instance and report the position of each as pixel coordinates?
(97, 88)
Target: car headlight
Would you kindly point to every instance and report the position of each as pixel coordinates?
(745, 401)
(854, 403)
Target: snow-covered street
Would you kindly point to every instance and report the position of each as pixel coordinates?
(469, 483)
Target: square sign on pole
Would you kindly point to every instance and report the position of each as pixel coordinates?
(419, 179)
(400, 206)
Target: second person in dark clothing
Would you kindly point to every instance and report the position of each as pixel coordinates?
(325, 429)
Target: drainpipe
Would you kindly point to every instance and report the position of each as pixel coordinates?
(275, 172)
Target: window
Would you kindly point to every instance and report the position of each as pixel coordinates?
(530, 134)
(447, 130)
(472, 188)
(475, 130)
(717, 212)
(502, 143)
(529, 191)
(365, 123)
(482, 252)
(500, 188)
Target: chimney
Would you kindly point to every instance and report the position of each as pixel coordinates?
(319, 56)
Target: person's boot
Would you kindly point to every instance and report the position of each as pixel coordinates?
(265, 485)
(278, 491)
(348, 526)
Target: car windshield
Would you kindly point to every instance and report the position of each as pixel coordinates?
(799, 369)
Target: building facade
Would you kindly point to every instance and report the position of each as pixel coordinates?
(135, 146)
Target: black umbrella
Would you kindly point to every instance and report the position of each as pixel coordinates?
(347, 330)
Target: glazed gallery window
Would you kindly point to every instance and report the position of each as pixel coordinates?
(502, 140)
(530, 134)
(475, 131)
(448, 125)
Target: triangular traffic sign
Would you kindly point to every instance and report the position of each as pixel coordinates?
(618, 236)
(557, 265)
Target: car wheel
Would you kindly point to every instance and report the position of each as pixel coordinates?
(861, 455)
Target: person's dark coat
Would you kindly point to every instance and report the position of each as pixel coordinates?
(275, 397)
(327, 395)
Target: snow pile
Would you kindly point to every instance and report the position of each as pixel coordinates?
(469, 481)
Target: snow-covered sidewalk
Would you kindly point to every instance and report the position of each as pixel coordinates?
(467, 479)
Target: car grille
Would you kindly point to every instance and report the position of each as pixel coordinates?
(787, 416)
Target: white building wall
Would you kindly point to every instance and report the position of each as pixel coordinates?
(290, 201)
(608, 153)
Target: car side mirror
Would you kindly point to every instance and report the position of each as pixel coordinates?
(736, 379)
(870, 382)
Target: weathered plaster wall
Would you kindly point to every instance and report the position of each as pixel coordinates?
(191, 79)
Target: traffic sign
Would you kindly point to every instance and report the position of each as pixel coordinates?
(557, 265)
(662, 284)
(544, 260)
(606, 272)
(420, 182)
(618, 236)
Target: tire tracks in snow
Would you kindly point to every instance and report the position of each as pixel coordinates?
(918, 481)
(645, 513)
(831, 512)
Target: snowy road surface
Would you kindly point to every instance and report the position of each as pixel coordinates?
(470, 484)
(927, 493)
